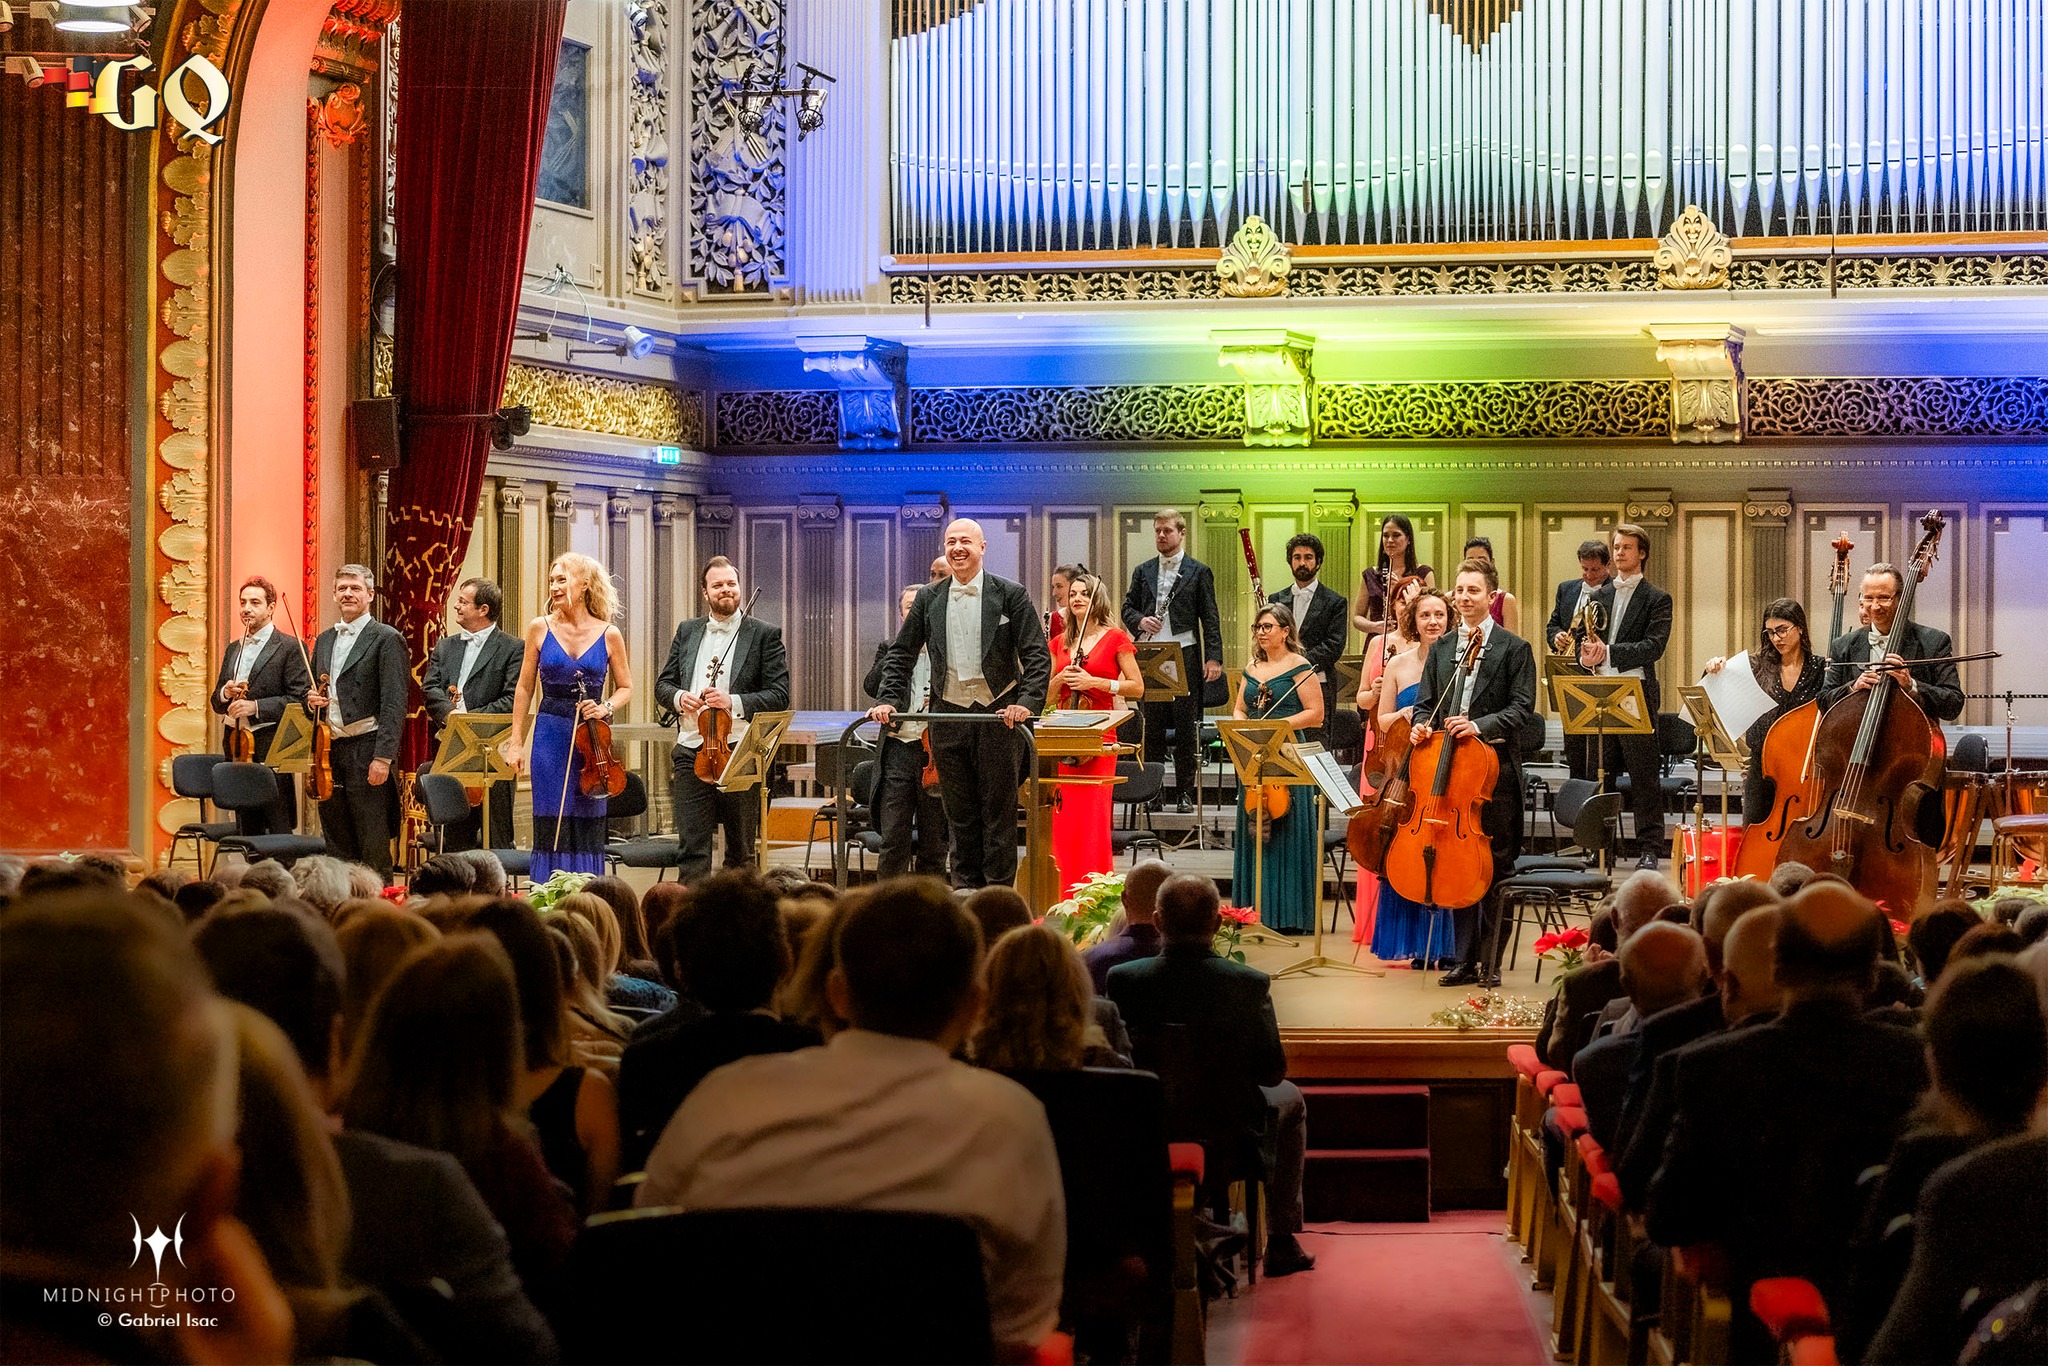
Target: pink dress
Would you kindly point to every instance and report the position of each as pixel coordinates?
(1365, 903)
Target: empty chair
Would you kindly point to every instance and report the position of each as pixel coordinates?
(445, 801)
(660, 852)
(1141, 784)
(192, 779)
(251, 787)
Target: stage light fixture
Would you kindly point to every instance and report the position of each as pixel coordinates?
(32, 72)
(635, 345)
(508, 423)
(6, 17)
(92, 16)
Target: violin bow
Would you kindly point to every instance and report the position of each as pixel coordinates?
(304, 656)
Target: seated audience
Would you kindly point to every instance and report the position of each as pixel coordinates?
(1581, 994)
(636, 957)
(11, 869)
(1789, 876)
(574, 1110)
(117, 1062)
(615, 988)
(438, 1066)
(1139, 937)
(442, 875)
(657, 908)
(1037, 1015)
(882, 1117)
(195, 899)
(364, 880)
(997, 910)
(417, 1222)
(1933, 936)
(803, 998)
(733, 954)
(1986, 940)
(1228, 1009)
(270, 879)
(1772, 1126)
(51, 876)
(373, 942)
(490, 873)
(1987, 1047)
(165, 882)
(322, 882)
(2031, 924)
(1663, 966)
(597, 1033)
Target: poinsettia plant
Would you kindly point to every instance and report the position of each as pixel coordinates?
(1236, 920)
(1567, 947)
(563, 883)
(1090, 905)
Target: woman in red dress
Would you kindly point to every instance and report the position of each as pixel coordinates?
(1094, 664)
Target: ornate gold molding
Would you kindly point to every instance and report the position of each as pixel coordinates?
(643, 410)
(1255, 264)
(340, 118)
(1694, 254)
(1279, 383)
(1706, 381)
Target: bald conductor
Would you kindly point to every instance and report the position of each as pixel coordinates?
(988, 655)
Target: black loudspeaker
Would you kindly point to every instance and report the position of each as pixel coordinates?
(373, 433)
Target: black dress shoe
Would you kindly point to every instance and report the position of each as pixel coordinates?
(1489, 980)
(1460, 976)
(1184, 804)
(1285, 1262)
(1648, 860)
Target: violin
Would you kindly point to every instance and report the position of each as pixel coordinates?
(603, 775)
(1440, 855)
(238, 739)
(320, 771)
(1273, 797)
(1874, 759)
(715, 724)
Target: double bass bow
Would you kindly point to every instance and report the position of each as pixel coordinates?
(1440, 855)
(1875, 758)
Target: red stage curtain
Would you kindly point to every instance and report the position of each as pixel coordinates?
(473, 85)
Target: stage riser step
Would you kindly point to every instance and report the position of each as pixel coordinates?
(1367, 1117)
(1366, 1187)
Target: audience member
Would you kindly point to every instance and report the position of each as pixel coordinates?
(1139, 937)
(1227, 1009)
(733, 953)
(490, 872)
(657, 908)
(574, 1110)
(165, 882)
(195, 899)
(1986, 940)
(597, 1033)
(997, 910)
(803, 999)
(1583, 993)
(800, 917)
(882, 1117)
(1987, 1048)
(1895, 996)
(2032, 923)
(1663, 966)
(322, 882)
(783, 880)
(373, 942)
(109, 868)
(118, 1065)
(438, 1066)
(1789, 876)
(364, 880)
(1933, 936)
(1772, 1126)
(416, 1219)
(363, 905)
(54, 876)
(442, 875)
(1038, 1014)
(614, 987)
(636, 958)
(269, 878)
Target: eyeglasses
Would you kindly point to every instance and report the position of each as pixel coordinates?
(1267, 626)
(1776, 631)
(1877, 597)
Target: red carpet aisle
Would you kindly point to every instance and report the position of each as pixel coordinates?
(1452, 1292)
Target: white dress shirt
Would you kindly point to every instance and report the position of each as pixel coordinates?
(1877, 650)
(1169, 575)
(966, 685)
(1625, 586)
(472, 649)
(910, 732)
(716, 643)
(874, 1121)
(250, 651)
(346, 635)
(1468, 680)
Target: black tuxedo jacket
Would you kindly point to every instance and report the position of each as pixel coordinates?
(1941, 686)
(1503, 695)
(491, 683)
(373, 681)
(1228, 1011)
(1014, 657)
(278, 678)
(1323, 630)
(1191, 608)
(1637, 641)
(756, 670)
(1568, 605)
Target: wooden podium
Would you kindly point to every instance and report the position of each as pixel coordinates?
(1057, 736)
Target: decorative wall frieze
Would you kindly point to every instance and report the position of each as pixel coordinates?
(715, 513)
(1279, 382)
(1333, 505)
(347, 46)
(1706, 381)
(1694, 254)
(1078, 413)
(1587, 409)
(925, 511)
(1255, 263)
(737, 204)
(778, 417)
(1962, 270)
(1927, 405)
(1649, 508)
(873, 393)
(639, 409)
(647, 142)
(1768, 508)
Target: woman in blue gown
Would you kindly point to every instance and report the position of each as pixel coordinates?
(1408, 929)
(570, 655)
(1280, 684)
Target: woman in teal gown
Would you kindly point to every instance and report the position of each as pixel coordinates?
(1279, 684)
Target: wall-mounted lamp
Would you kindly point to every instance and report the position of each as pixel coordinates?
(810, 98)
(635, 345)
(6, 17)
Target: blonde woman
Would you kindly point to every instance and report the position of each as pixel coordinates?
(573, 652)
(1094, 668)
(1038, 1014)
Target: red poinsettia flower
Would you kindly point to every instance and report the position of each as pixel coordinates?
(1574, 938)
(1243, 915)
(1545, 943)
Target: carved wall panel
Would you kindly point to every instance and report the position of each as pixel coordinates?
(1929, 405)
(647, 144)
(656, 413)
(736, 175)
(778, 417)
(1103, 412)
(1505, 410)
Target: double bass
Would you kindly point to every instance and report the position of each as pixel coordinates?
(1876, 756)
(1787, 760)
(1440, 855)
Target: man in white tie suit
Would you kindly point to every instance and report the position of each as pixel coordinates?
(475, 668)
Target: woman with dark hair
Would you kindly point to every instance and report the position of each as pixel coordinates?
(1987, 1051)
(574, 1110)
(1280, 684)
(1787, 668)
(1064, 577)
(1396, 562)
(438, 1067)
(636, 957)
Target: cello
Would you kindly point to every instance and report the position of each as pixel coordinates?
(1876, 757)
(1440, 855)
(1787, 760)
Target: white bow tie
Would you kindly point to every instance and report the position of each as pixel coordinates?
(965, 590)
(474, 636)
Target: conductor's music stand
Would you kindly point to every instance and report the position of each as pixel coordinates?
(1600, 705)
(1332, 789)
(1264, 752)
(1712, 742)
(1061, 735)
(751, 761)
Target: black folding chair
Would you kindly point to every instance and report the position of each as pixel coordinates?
(252, 787)
(659, 852)
(192, 779)
(1141, 783)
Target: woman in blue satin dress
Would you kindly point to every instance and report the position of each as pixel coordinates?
(1408, 929)
(1279, 683)
(571, 653)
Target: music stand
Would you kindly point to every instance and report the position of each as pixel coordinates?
(1712, 742)
(1163, 669)
(1264, 752)
(291, 746)
(469, 747)
(1600, 705)
(1332, 789)
(751, 761)
(1072, 734)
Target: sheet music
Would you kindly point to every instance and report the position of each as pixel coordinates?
(1736, 695)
